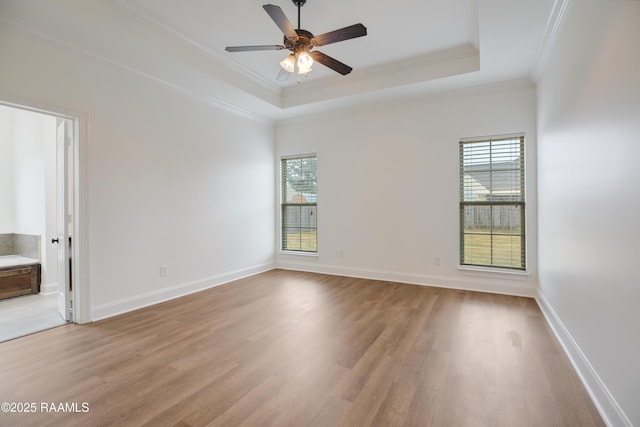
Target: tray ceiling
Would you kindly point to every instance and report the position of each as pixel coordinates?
(417, 46)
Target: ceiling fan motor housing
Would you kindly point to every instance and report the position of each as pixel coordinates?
(303, 42)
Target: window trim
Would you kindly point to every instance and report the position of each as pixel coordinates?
(471, 267)
(287, 251)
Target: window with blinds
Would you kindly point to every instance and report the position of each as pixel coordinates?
(492, 203)
(298, 203)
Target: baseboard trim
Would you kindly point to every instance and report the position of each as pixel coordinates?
(497, 286)
(49, 288)
(609, 410)
(125, 305)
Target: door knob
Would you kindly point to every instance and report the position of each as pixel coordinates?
(55, 240)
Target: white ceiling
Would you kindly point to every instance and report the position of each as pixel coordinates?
(415, 46)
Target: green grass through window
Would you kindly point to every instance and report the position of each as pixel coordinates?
(301, 241)
(503, 251)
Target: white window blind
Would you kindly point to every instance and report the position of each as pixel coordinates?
(299, 203)
(492, 203)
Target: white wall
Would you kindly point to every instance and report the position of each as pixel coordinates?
(388, 185)
(589, 177)
(29, 171)
(27, 149)
(34, 141)
(6, 170)
(169, 180)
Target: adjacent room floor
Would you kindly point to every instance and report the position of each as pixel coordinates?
(27, 314)
(286, 348)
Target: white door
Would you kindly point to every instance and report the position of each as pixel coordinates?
(64, 146)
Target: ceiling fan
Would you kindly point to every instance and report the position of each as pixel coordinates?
(301, 42)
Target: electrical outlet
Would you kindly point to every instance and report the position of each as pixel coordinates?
(164, 270)
(436, 260)
(341, 253)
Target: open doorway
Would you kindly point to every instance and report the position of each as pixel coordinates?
(36, 221)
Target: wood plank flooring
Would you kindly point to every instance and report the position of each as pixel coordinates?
(300, 349)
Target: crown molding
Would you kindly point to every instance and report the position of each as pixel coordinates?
(224, 83)
(414, 100)
(155, 24)
(557, 16)
(446, 63)
(23, 30)
(422, 68)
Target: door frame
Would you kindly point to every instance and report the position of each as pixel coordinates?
(80, 248)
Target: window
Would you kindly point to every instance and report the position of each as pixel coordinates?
(298, 202)
(492, 210)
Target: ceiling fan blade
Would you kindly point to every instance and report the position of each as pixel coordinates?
(330, 62)
(281, 20)
(346, 33)
(283, 75)
(253, 48)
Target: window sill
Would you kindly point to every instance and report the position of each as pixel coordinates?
(299, 253)
(495, 272)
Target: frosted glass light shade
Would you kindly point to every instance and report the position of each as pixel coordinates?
(305, 61)
(289, 63)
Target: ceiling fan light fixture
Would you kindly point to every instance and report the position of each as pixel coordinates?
(300, 42)
(289, 63)
(305, 62)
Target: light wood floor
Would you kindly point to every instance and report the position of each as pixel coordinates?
(300, 349)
